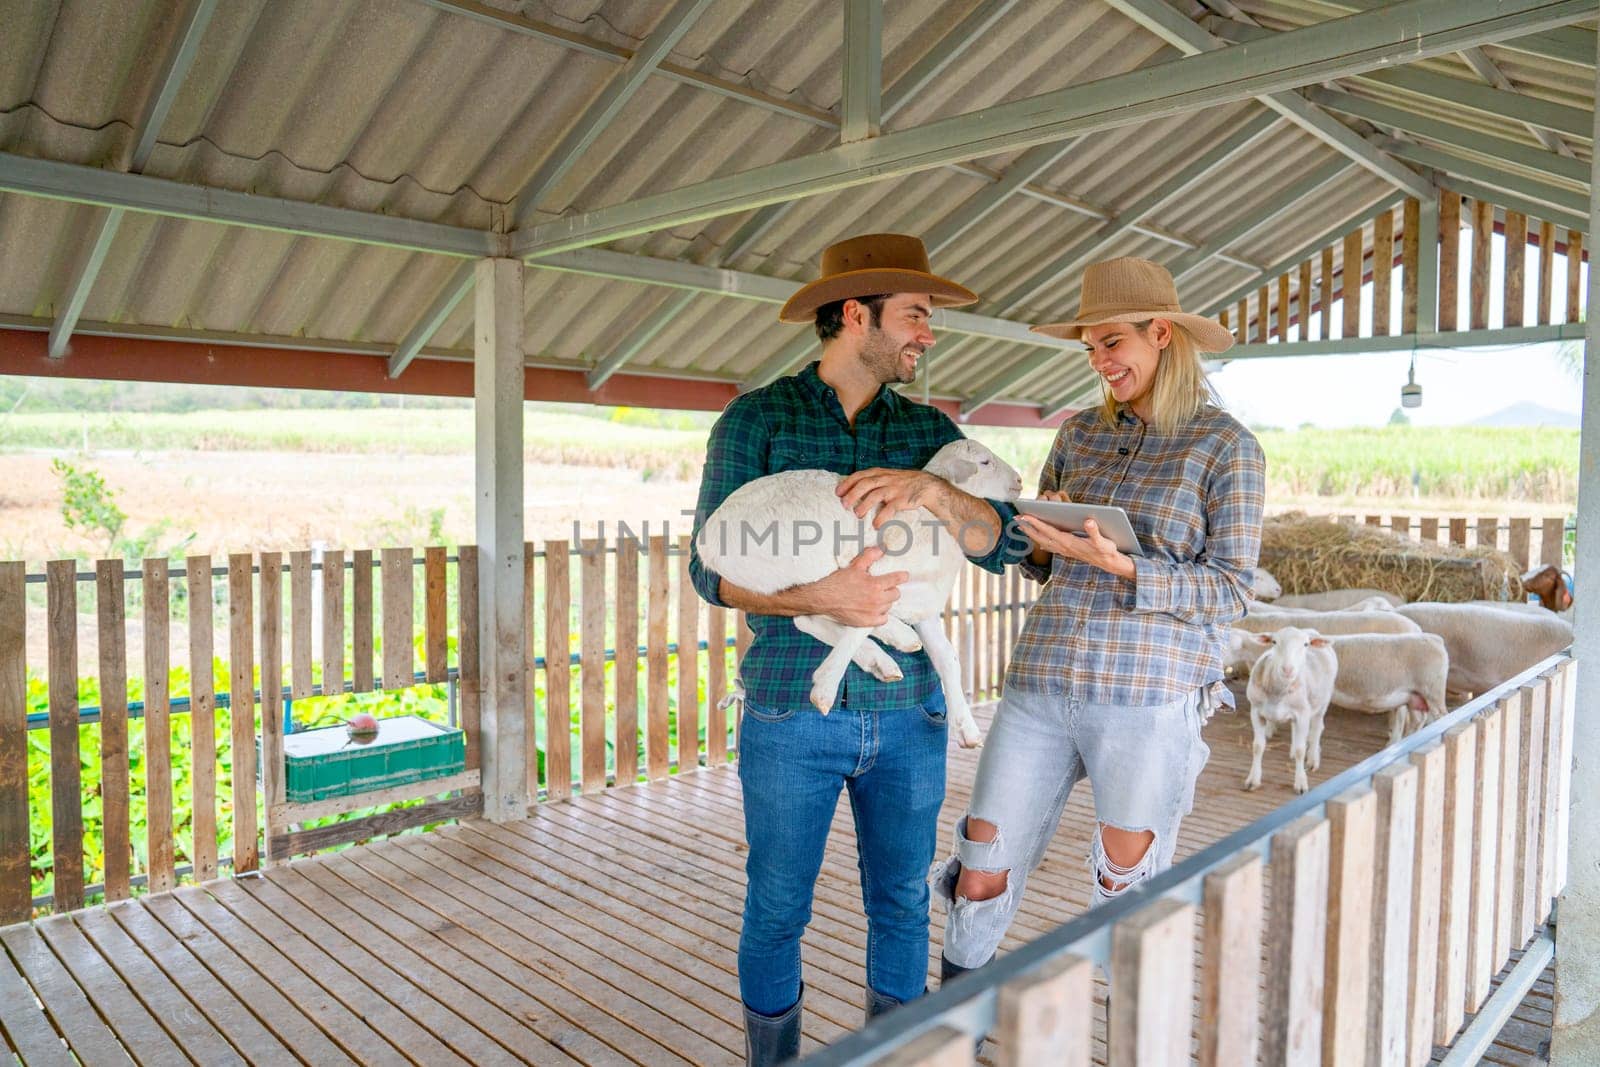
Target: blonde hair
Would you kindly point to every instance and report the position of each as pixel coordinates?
(1180, 389)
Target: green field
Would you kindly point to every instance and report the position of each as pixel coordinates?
(1538, 466)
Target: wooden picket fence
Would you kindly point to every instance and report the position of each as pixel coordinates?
(285, 629)
(1513, 535)
(1307, 294)
(1376, 912)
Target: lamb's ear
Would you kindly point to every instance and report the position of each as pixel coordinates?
(1319, 642)
(960, 470)
(1263, 639)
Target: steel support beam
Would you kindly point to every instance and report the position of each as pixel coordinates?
(635, 342)
(596, 117)
(1161, 19)
(1404, 32)
(504, 674)
(1095, 245)
(160, 196)
(950, 48)
(1459, 92)
(1427, 265)
(1259, 216)
(1452, 136)
(1333, 232)
(1531, 208)
(1577, 1016)
(103, 230)
(605, 107)
(1485, 68)
(1559, 203)
(861, 103)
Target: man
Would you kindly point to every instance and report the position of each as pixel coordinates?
(883, 742)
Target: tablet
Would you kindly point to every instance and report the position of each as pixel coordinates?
(1113, 521)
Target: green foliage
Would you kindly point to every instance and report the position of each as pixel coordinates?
(87, 505)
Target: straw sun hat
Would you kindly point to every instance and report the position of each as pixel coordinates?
(1133, 290)
(871, 264)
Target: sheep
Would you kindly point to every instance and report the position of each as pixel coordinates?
(1371, 603)
(1264, 586)
(1334, 599)
(1245, 646)
(1292, 683)
(769, 535)
(1401, 674)
(1489, 644)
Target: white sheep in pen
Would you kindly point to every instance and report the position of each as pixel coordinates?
(1291, 683)
(1490, 644)
(791, 528)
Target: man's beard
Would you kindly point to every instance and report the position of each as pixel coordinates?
(883, 359)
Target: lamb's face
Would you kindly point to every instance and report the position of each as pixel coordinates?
(973, 468)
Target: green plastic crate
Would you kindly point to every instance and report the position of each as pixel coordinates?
(324, 763)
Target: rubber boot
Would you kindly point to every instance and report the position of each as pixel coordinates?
(772, 1039)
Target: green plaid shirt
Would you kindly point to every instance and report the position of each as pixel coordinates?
(797, 423)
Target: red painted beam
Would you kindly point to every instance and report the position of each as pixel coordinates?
(24, 353)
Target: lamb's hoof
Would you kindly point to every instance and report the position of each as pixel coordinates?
(969, 737)
(822, 701)
(1301, 785)
(1251, 784)
(1314, 764)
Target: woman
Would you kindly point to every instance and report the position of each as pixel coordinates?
(1115, 669)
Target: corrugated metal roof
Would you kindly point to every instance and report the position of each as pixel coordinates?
(410, 109)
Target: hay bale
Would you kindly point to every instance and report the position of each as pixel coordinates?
(1310, 554)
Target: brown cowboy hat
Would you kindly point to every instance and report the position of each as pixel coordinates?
(871, 264)
(1134, 290)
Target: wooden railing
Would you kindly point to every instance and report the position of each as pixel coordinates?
(1306, 295)
(1531, 541)
(276, 631)
(1382, 906)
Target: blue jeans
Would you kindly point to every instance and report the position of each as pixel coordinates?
(792, 763)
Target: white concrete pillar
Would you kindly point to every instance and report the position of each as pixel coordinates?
(497, 393)
(1577, 1021)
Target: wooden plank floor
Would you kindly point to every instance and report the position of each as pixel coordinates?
(602, 930)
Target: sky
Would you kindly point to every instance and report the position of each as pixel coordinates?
(1458, 386)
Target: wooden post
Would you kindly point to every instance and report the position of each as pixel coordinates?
(1482, 246)
(1382, 271)
(111, 607)
(202, 719)
(1551, 825)
(241, 711)
(468, 655)
(557, 671)
(1393, 872)
(1567, 679)
(657, 754)
(333, 623)
(300, 624)
(943, 1046)
(66, 794)
(1481, 962)
(1552, 539)
(158, 727)
(1516, 266)
(1547, 267)
(1283, 307)
(16, 892)
(1521, 534)
(1351, 285)
(688, 664)
(1244, 321)
(1410, 258)
(1458, 531)
(1489, 531)
(270, 621)
(1152, 968)
(1509, 711)
(1449, 261)
(592, 664)
(1352, 820)
(361, 676)
(1530, 843)
(1428, 530)
(716, 686)
(1455, 920)
(1263, 314)
(399, 601)
(1296, 932)
(1325, 293)
(497, 375)
(1230, 1026)
(1574, 275)
(1426, 883)
(1400, 524)
(1043, 1016)
(1304, 298)
(627, 742)
(435, 615)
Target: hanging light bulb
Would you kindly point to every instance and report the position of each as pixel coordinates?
(1411, 392)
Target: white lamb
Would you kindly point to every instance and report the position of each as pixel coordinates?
(1334, 599)
(1244, 644)
(1490, 644)
(791, 528)
(1402, 675)
(1292, 683)
(1371, 603)
(1264, 585)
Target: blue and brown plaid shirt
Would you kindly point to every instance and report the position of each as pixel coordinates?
(797, 423)
(1195, 498)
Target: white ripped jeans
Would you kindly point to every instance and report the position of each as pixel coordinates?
(1142, 763)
